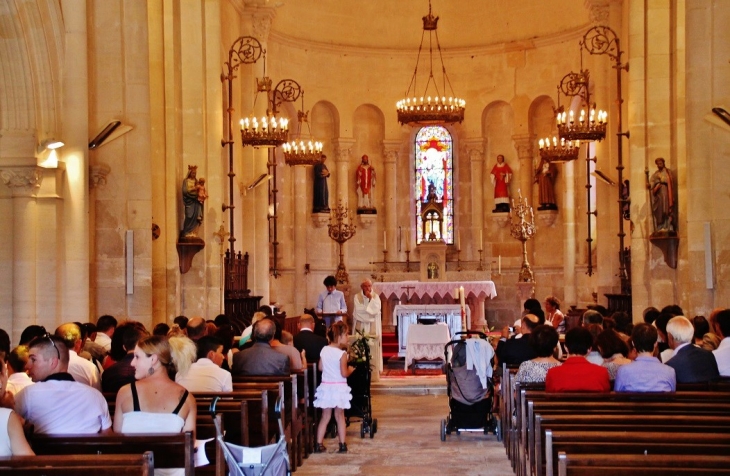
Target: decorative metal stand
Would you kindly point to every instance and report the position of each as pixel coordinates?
(523, 230)
(341, 229)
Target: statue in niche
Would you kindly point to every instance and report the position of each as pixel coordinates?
(433, 270)
(193, 195)
(662, 192)
(321, 197)
(545, 178)
(501, 175)
(365, 182)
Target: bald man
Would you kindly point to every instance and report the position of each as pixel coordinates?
(366, 317)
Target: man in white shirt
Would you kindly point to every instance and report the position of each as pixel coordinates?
(206, 374)
(56, 404)
(331, 301)
(104, 331)
(721, 324)
(82, 370)
(16, 362)
(366, 317)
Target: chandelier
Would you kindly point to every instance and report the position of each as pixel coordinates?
(591, 123)
(267, 132)
(300, 152)
(434, 108)
(559, 151)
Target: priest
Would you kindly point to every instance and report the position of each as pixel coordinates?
(366, 318)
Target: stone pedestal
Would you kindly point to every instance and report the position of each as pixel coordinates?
(366, 221)
(320, 219)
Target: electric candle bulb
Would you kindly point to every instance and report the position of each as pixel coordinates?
(541, 143)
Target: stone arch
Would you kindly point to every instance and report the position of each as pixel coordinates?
(541, 117)
(368, 130)
(497, 131)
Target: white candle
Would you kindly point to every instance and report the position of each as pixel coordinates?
(458, 241)
(400, 238)
(461, 297)
(456, 293)
(481, 239)
(385, 241)
(499, 265)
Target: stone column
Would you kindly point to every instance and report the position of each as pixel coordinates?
(24, 183)
(524, 144)
(343, 153)
(301, 213)
(569, 292)
(475, 150)
(75, 132)
(390, 157)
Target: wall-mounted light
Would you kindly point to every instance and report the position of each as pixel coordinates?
(50, 144)
(111, 131)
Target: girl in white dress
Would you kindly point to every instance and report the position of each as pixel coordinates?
(333, 392)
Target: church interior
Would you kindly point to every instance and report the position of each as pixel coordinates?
(77, 240)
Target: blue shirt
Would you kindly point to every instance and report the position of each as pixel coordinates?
(645, 374)
(331, 303)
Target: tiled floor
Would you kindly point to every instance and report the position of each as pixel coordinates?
(408, 442)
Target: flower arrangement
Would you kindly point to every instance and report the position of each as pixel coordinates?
(359, 349)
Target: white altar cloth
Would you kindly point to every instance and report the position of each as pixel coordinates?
(406, 315)
(426, 342)
(435, 289)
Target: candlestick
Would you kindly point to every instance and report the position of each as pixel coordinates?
(408, 261)
(481, 240)
(385, 241)
(400, 238)
(385, 261)
(481, 267)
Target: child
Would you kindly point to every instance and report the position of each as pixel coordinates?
(333, 392)
(200, 187)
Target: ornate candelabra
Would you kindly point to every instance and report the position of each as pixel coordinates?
(341, 229)
(523, 230)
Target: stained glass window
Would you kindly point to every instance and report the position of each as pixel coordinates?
(434, 165)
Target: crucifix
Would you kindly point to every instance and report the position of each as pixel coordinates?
(408, 293)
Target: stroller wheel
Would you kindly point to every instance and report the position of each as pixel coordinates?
(373, 428)
(443, 430)
(362, 429)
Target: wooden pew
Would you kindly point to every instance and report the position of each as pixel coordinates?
(645, 465)
(73, 465)
(205, 429)
(246, 414)
(633, 441)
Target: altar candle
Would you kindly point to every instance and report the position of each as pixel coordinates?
(481, 239)
(385, 241)
(461, 296)
(456, 293)
(499, 264)
(400, 238)
(458, 241)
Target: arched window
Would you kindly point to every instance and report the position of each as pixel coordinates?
(434, 165)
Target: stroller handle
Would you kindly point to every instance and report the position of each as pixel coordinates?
(211, 409)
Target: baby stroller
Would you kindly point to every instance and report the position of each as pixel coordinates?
(269, 460)
(469, 384)
(359, 382)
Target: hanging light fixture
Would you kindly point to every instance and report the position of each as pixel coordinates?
(301, 152)
(590, 124)
(269, 130)
(559, 150)
(431, 107)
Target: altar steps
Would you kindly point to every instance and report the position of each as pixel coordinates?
(390, 346)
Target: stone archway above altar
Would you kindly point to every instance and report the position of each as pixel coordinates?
(434, 292)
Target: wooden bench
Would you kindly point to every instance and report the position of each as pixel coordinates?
(171, 450)
(246, 414)
(645, 465)
(73, 465)
(634, 441)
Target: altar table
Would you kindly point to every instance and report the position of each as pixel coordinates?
(426, 342)
(407, 316)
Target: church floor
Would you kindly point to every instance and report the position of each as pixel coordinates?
(408, 443)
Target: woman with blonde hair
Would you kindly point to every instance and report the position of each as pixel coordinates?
(155, 403)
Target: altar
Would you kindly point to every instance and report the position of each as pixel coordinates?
(409, 314)
(422, 293)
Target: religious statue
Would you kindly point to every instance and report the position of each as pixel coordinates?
(501, 176)
(193, 200)
(321, 198)
(545, 178)
(433, 271)
(365, 181)
(662, 188)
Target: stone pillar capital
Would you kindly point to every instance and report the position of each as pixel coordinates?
(391, 149)
(343, 149)
(598, 11)
(261, 19)
(23, 181)
(475, 149)
(524, 143)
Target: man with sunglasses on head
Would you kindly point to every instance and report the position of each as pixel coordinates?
(57, 404)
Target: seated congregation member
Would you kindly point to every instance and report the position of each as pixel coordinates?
(30, 333)
(691, 364)
(12, 437)
(592, 316)
(646, 373)
(56, 404)
(105, 327)
(553, 315)
(154, 403)
(594, 356)
(307, 341)
(261, 359)
(576, 374)
(701, 327)
(18, 378)
(543, 340)
(614, 351)
(206, 374)
(122, 373)
(81, 369)
(515, 351)
(96, 351)
(246, 340)
(720, 321)
(296, 361)
(196, 328)
(710, 341)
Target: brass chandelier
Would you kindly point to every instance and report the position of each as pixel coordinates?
(591, 122)
(435, 107)
(559, 151)
(301, 152)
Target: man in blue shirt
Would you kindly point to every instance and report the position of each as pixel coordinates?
(646, 373)
(331, 302)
